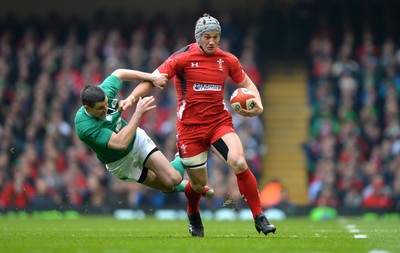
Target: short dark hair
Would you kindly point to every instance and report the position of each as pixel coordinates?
(91, 94)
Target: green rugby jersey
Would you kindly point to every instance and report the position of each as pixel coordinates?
(97, 132)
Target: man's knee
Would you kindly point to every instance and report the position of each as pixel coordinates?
(174, 180)
(196, 166)
(235, 159)
(238, 163)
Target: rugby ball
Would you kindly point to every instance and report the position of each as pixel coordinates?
(242, 98)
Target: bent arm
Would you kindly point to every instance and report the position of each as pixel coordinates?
(258, 107)
(124, 137)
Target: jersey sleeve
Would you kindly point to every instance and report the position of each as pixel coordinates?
(111, 86)
(99, 137)
(236, 71)
(170, 66)
(91, 132)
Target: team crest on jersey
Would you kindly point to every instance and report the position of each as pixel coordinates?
(118, 126)
(220, 61)
(149, 141)
(183, 148)
(114, 103)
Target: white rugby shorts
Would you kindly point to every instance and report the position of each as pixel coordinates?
(130, 167)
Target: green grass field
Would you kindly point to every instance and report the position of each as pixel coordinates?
(106, 234)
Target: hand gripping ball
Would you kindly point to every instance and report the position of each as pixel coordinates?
(242, 98)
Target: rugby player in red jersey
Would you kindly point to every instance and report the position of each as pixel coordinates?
(200, 71)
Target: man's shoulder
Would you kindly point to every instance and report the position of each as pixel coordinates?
(83, 121)
(227, 54)
(185, 50)
(79, 115)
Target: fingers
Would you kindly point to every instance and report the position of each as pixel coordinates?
(161, 81)
(146, 103)
(162, 84)
(164, 77)
(250, 113)
(124, 105)
(146, 100)
(255, 111)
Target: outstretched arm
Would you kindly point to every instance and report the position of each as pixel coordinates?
(130, 75)
(145, 87)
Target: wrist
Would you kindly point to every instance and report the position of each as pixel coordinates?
(132, 99)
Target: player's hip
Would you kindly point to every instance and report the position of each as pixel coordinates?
(130, 167)
(194, 139)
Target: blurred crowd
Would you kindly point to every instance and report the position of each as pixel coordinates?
(44, 65)
(353, 148)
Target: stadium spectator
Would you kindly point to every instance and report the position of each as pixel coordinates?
(327, 197)
(396, 190)
(17, 193)
(45, 197)
(324, 177)
(368, 48)
(377, 195)
(351, 197)
(365, 105)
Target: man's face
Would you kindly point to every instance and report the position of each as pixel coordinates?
(99, 110)
(209, 41)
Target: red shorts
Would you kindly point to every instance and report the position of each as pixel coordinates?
(195, 139)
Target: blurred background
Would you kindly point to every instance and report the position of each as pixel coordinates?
(328, 71)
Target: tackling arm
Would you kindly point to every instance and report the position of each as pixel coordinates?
(145, 87)
(123, 138)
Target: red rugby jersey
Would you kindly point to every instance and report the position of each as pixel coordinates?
(199, 82)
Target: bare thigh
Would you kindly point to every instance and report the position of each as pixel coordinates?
(235, 158)
(161, 174)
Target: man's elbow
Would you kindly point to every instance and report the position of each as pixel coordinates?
(118, 146)
(118, 73)
(123, 146)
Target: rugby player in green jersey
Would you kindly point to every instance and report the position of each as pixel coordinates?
(123, 147)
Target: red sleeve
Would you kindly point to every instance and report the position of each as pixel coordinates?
(170, 67)
(236, 71)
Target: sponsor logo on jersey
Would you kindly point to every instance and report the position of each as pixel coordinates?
(195, 64)
(205, 87)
